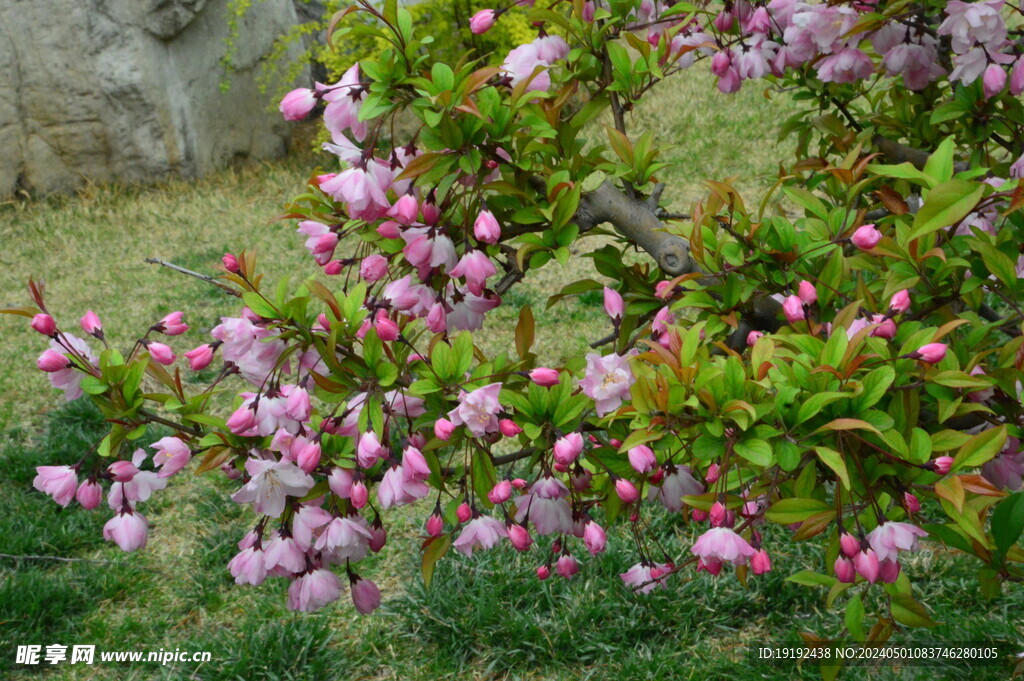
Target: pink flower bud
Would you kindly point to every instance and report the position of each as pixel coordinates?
(912, 503)
(500, 493)
(463, 512)
(931, 353)
(297, 104)
(230, 263)
(698, 515)
(309, 457)
(334, 268)
(581, 480)
(886, 327)
(1017, 77)
(849, 544)
(942, 464)
(172, 325)
(613, 305)
(753, 337)
(543, 572)
(509, 428)
(387, 330)
(443, 429)
(712, 567)
(714, 472)
(368, 450)
(123, 471)
(626, 490)
(866, 237)
(200, 358)
(389, 230)
(378, 537)
(160, 353)
(760, 562)
(44, 324)
(993, 81)
(89, 494)
(91, 324)
(900, 301)
(519, 483)
(589, 11)
(642, 459)
(793, 308)
(866, 564)
(435, 525)
(568, 448)
(486, 227)
(844, 570)
(482, 21)
(51, 361)
(544, 377)
(888, 570)
(405, 210)
(807, 293)
(566, 566)
(365, 596)
(718, 514)
(594, 538)
(359, 494)
(720, 63)
(373, 268)
(520, 537)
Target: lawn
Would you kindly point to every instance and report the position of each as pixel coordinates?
(485, 618)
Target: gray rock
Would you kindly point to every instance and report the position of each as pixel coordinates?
(130, 90)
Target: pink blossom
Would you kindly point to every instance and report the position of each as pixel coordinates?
(807, 293)
(247, 567)
(866, 565)
(968, 23)
(545, 506)
(889, 538)
(607, 381)
(344, 101)
(282, 555)
(89, 494)
(480, 533)
(435, 525)
(722, 545)
(918, 63)
(912, 503)
(463, 513)
(44, 324)
(1006, 471)
(297, 104)
(405, 210)
(340, 481)
(753, 337)
(594, 538)
(270, 483)
(677, 483)
(642, 579)
(500, 493)
(128, 530)
(844, 570)
(509, 428)
(122, 471)
(543, 572)
(346, 538)
(369, 450)
(1017, 77)
(486, 228)
(171, 455)
(443, 429)
(52, 361)
(477, 410)
(307, 519)
(849, 544)
(468, 313)
(476, 268)
(365, 595)
(1017, 172)
(313, 590)
(60, 482)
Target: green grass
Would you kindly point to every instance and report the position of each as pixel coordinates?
(484, 618)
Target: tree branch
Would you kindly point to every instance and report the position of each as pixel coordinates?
(204, 277)
(901, 153)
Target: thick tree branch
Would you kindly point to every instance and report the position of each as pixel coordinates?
(901, 153)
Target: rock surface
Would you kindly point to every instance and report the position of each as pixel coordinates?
(99, 90)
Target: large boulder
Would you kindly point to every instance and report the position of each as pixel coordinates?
(97, 90)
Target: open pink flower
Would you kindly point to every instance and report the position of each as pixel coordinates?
(60, 482)
(171, 455)
(270, 484)
(607, 381)
(365, 595)
(722, 545)
(645, 577)
(128, 530)
(478, 410)
(889, 538)
(480, 533)
(314, 590)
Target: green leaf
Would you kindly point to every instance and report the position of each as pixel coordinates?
(435, 549)
(789, 511)
(484, 476)
(939, 166)
(257, 304)
(835, 461)
(1008, 522)
(855, 618)
(809, 578)
(755, 451)
(909, 612)
(947, 204)
(980, 448)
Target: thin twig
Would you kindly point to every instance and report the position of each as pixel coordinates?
(205, 277)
